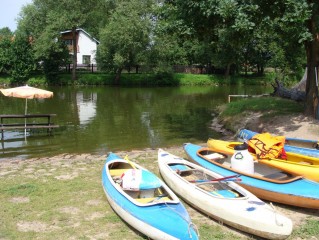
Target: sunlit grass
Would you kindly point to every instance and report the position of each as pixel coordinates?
(268, 105)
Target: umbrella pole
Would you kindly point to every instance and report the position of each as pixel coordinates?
(25, 119)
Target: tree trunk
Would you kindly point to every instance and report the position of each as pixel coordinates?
(227, 72)
(118, 76)
(75, 51)
(293, 94)
(301, 86)
(312, 49)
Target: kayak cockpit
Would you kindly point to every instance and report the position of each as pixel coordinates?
(140, 186)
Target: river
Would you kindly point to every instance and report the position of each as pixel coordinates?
(97, 120)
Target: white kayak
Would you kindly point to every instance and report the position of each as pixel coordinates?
(222, 198)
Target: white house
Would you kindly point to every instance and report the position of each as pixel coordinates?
(86, 45)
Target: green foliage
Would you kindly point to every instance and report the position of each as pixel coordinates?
(229, 35)
(96, 79)
(5, 53)
(16, 56)
(51, 63)
(124, 40)
(4, 79)
(21, 60)
(37, 81)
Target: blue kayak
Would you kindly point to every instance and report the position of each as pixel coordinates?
(266, 182)
(295, 145)
(144, 201)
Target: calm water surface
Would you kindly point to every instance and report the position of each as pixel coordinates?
(98, 120)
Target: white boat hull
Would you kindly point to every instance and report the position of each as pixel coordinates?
(247, 213)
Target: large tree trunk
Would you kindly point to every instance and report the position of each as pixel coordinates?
(301, 86)
(294, 94)
(312, 49)
(75, 51)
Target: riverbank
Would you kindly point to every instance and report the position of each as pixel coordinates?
(142, 79)
(292, 125)
(61, 197)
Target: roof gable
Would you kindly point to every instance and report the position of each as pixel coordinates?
(84, 32)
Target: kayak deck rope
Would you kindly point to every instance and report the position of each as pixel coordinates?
(275, 211)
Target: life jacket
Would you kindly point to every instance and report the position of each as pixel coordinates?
(266, 146)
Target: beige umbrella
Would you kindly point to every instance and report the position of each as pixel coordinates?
(27, 93)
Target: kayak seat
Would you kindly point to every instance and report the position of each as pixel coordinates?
(180, 167)
(117, 172)
(277, 175)
(149, 200)
(225, 193)
(215, 156)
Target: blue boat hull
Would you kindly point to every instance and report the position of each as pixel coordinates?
(301, 192)
(170, 220)
(245, 135)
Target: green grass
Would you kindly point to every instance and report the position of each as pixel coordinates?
(311, 228)
(57, 207)
(143, 79)
(269, 105)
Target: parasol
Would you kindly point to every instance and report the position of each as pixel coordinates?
(27, 93)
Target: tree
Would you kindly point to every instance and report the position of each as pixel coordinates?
(312, 51)
(6, 38)
(21, 59)
(125, 40)
(232, 24)
(175, 43)
(16, 57)
(5, 32)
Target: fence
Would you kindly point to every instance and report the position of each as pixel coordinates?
(192, 69)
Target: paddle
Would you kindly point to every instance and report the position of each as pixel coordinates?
(228, 178)
(132, 165)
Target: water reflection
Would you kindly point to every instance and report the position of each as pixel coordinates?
(86, 104)
(101, 119)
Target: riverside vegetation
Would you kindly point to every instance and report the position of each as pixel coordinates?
(144, 79)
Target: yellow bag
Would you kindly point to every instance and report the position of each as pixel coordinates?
(266, 146)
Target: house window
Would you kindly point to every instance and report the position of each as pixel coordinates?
(86, 59)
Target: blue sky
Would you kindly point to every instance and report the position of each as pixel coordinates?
(9, 12)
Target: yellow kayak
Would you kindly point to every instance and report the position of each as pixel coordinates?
(302, 165)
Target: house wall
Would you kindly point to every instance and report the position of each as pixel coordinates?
(86, 46)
